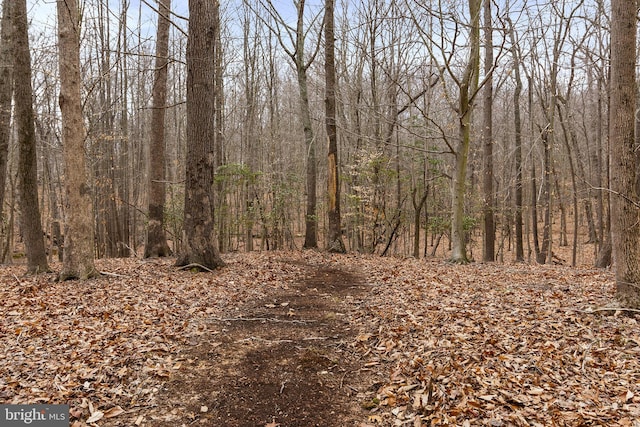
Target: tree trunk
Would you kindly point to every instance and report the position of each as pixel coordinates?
(417, 207)
(468, 87)
(6, 92)
(517, 123)
(311, 218)
(335, 243)
(201, 246)
(250, 133)
(30, 221)
(534, 213)
(625, 198)
(602, 166)
(547, 238)
(487, 137)
(78, 254)
(156, 245)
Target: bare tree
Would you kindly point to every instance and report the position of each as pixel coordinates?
(79, 233)
(624, 175)
(297, 38)
(200, 246)
(6, 92)
(487, 138)
(156, 245)
(30, 221)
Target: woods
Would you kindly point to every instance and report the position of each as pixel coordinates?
(463, 131)
(303, 212)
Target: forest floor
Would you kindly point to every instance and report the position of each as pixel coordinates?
(299, 339)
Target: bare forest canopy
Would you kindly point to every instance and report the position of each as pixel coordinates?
(411, 90)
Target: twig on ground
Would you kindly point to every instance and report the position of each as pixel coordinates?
(195, 264)
(258, 319)
(595, 310)
(264, 340)
(106, 273)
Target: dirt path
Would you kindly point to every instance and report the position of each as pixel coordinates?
(282, 361)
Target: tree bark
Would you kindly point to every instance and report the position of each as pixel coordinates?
(156, 245)
(468, 87)
(335, 243)
(517, 124)
(625, 200)
(6, 92)
(78, 256)
(200, 246)
(488, 207)
(311, 216)
(417, 207)
(30, 221)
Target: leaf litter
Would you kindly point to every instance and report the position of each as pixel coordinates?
(437, 344)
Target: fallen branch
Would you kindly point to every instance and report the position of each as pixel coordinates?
(595, 310)
(258, 319)
(106, 273)
(195, 264)
(264, 340)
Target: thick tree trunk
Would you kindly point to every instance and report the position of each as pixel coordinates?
(79, 232)
(30, 221)
(625, 229)
(335, 243)
(201, 246)
(156, 245)
(458, 241)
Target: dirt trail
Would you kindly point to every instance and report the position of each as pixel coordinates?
(280, 361)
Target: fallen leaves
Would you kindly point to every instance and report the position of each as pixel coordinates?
(497, 345)
(112, 341)
(480, 344)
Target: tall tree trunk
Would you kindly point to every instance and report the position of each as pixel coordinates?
(534, 185)
(625, 197)
(488, 207)
(250, 135)
(218, 108)
(127, 245)
(295, 49)
(78, 257)
(603, 258)
(569, 137)
(335, 243)
(156, 245)
(468, 88)
(547, 238)
(201, 246)
(311, 216)
(30, 221)
(6, 92)
(517, 124)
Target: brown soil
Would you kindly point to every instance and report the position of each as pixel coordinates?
(284, 360)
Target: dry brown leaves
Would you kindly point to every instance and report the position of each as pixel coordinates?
(479, 344)
(109, 343)
(497, 345)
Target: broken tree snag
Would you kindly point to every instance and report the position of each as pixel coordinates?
(334, 243)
